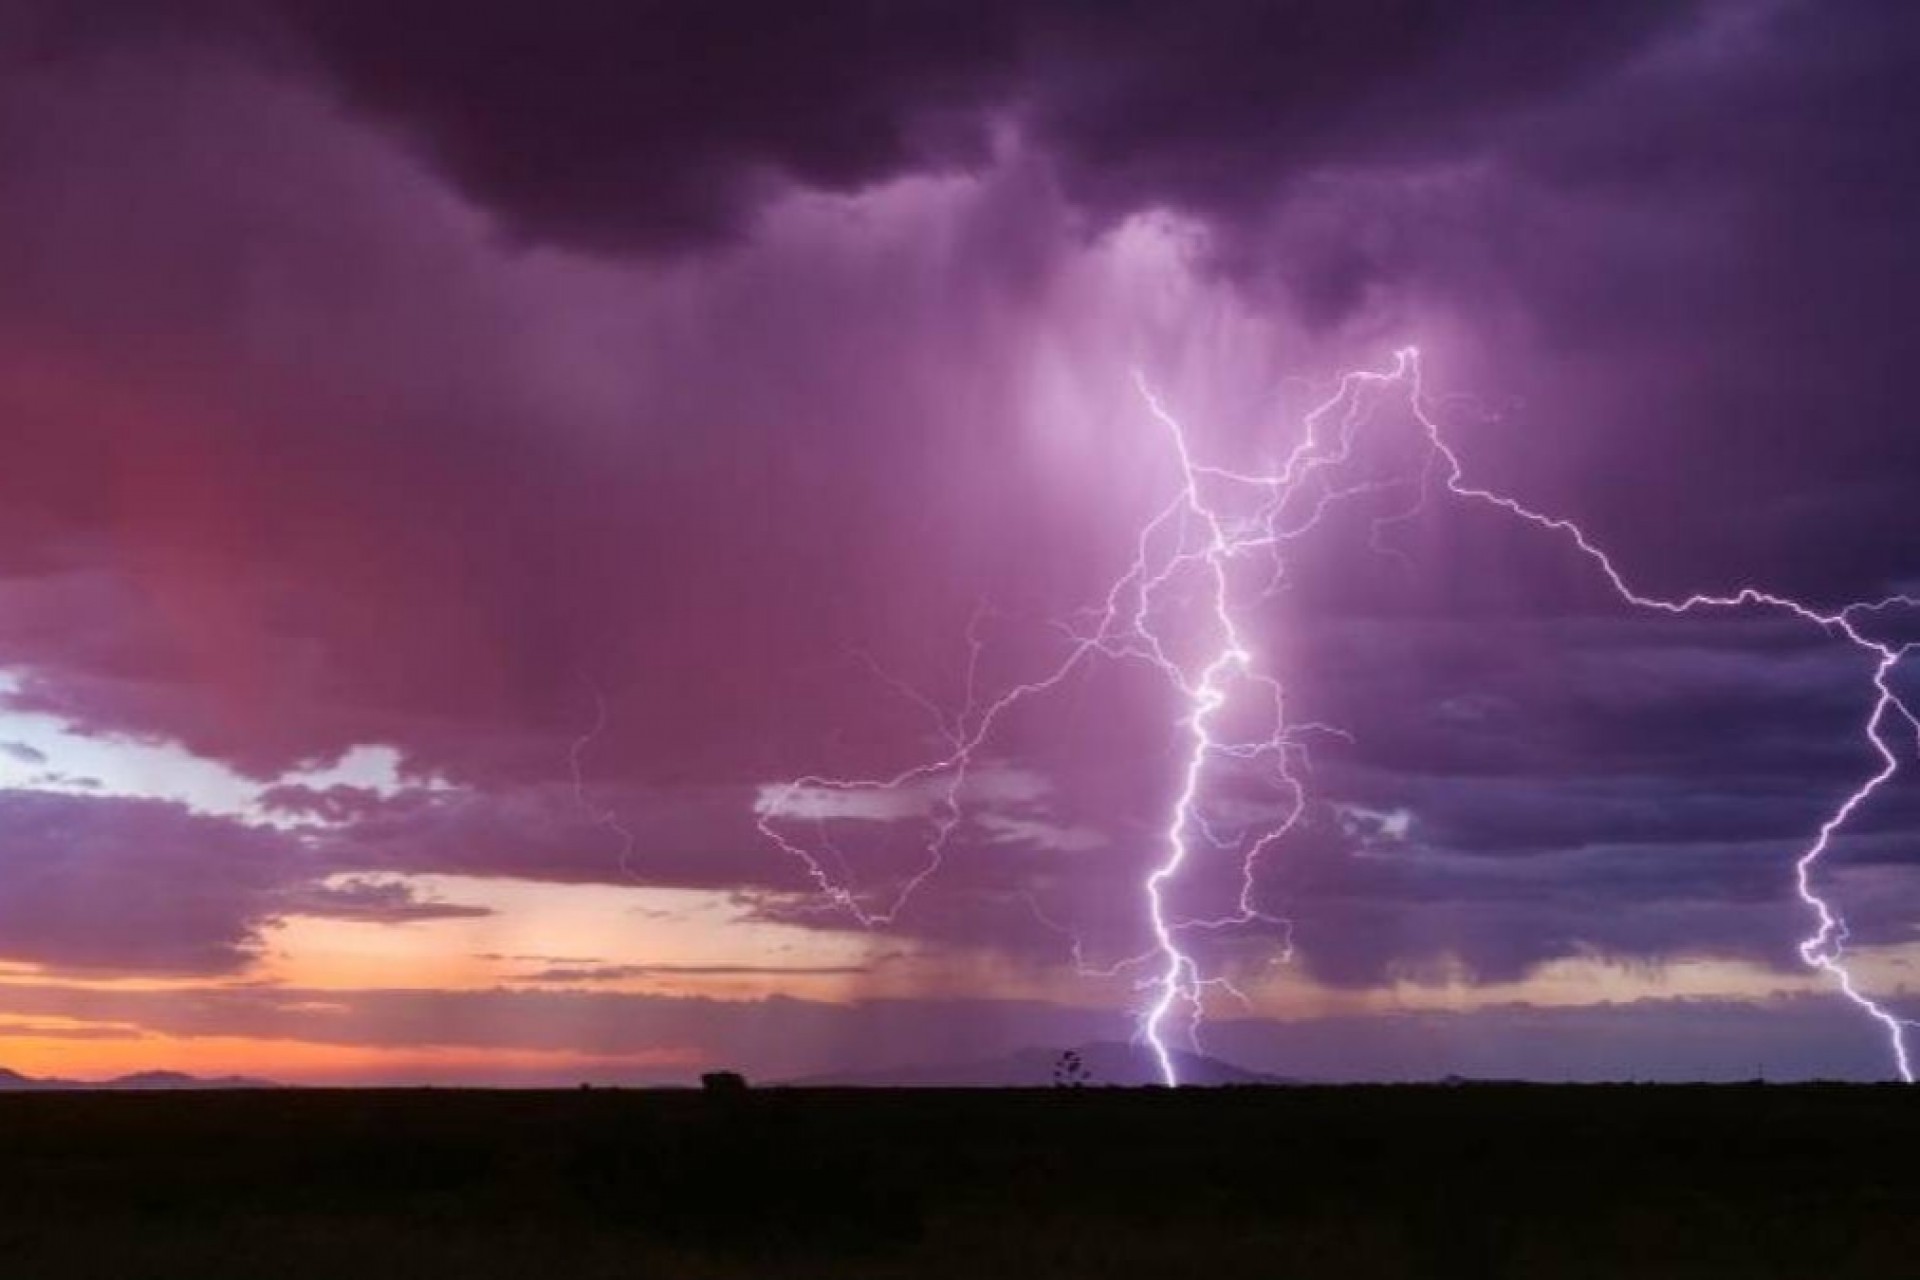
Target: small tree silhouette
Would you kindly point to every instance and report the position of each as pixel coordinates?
(1069, 1072)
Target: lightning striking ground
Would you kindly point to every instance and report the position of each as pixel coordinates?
(1219, 528)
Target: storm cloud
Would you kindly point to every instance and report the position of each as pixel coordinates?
(617, 408)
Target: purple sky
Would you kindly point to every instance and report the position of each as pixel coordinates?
(441, 438)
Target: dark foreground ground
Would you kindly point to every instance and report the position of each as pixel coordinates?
(1323, 1183)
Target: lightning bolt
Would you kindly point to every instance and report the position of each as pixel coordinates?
(600, 815)
(1222, 537)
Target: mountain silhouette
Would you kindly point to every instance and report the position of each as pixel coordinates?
(1103, 1063)
(139, 1080)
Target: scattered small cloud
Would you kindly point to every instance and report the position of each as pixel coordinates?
(374, 901)
(629, 972)
(10, 1030)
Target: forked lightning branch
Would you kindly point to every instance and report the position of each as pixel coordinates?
(1187, 575)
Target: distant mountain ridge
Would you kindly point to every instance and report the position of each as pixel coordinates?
(1104, 1063)
(13, 1081)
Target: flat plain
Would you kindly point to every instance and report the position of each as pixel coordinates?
(1475, 1180)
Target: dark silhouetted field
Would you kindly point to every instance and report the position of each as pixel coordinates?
(1312, 1182)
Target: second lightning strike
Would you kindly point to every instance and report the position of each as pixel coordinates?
(1220, 521)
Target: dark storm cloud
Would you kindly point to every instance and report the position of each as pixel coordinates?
(123, 885)
(679, 837)
(1586, 786)
(1516, 787)
(371, 901)
(131, 885)
(301, 454)
(619, 125)
(1696, 274)
(294, 432)
(665, 124)
(612, 124)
